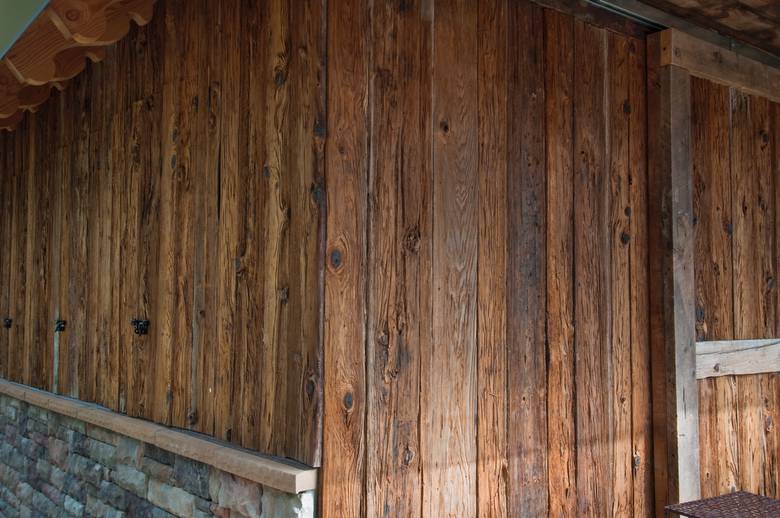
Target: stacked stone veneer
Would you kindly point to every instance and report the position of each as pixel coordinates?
(52, 465)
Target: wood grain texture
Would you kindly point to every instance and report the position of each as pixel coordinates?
(714, 280)
(736, 295)
(617, 87)
(6, 226)
(476, 298)
(55, 46)
(754, 296)
(746, 20)
(675, 392)
(561, 423)
(449, 387)
(591, 305)
(399, 252)
(140, 193)
(346, 163)
(526, 265)
(641, 402)
(737, 357)
(493, 402)
(703, 59)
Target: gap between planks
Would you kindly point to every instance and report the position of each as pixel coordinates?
(280, 474)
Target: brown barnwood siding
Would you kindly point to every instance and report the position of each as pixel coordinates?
(180, 181)
(486, 166)
(736, 166)
(483, 264)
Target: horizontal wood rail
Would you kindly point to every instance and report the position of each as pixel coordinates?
(719, 65)
(281, 474)
(729, 357)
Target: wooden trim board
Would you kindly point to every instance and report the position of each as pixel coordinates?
(729, 357)
(673, 304)
(723, 66)
(281, 474)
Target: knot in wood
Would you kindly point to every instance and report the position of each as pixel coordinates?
(412, 239)
(336, 260)
(348, 401)
(408, 456)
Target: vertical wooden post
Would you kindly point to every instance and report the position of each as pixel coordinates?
(673, 320)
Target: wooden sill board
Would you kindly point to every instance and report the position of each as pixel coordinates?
(733, 357)
(281, 474)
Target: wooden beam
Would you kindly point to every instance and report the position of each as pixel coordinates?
(728, 357)
(281, 474)
(709, 61)
(56, 45)
(673, 328)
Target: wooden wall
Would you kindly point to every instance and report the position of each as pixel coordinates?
(471, 337)
(486, 333)
(179, 180)
(736, 165)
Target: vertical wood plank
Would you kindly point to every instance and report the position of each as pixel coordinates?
(150, 42)
(754, 304)
(714, 278)
(188, 58)
(18, 284)
(492, 405)
(771, 383)
(675, 397)
(229, 215)
(449, 388)
(94, 220)
(642, 438)
(6, 238)
(78, 204)
(31, 331)
(117, 387)
(302, 418)
(105, 393)
(619, 238)
(205, 269)
(346, 163)
(275, 215)
(38, 333)
(591, 268)
(165, 326)
(398, 252)
(559, 80)
(526, 268)
(252, 430)
(65, 357)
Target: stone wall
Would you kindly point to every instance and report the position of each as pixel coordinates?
(52, 465)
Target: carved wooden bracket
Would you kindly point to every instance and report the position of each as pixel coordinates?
(54, 48)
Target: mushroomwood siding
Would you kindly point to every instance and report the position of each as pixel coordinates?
(179, 181)
(487, 194)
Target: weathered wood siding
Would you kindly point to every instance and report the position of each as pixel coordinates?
(486, 348)
(180, 181)
(736, 150)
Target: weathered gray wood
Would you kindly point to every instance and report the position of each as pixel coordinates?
(676, 408)
(728, 357)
